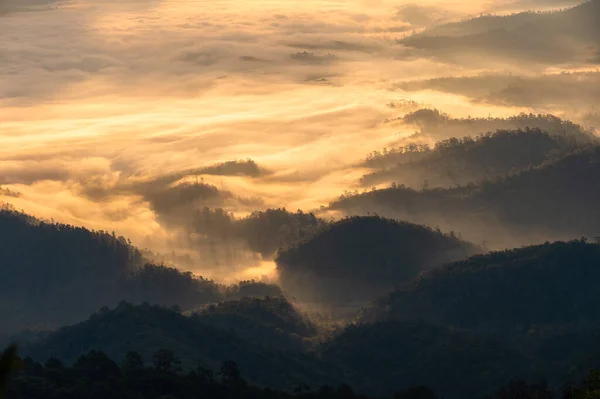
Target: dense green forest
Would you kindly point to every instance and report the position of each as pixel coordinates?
(359, 258)
(556, 200)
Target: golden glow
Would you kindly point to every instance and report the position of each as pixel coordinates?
(95, 94)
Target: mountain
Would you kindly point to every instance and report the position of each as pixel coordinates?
(53, 274)
(358, 258)
(576, 21)
(232, 168)
(394, 355)
(556, 200)
(549, 284)
(194, 339)
(431, 122)
(565, 36)
(267, 231)
(96, 375)
(270, 321)
(529, 313)
(262, 232)
(381, 357)
(460, 161)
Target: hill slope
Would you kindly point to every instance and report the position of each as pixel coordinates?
(550, 284)
(554, 201)
(357, 258)
(460, 161)
(146, 329)
(52, 274)
(554, 37)
(272, 322)
(382, 357)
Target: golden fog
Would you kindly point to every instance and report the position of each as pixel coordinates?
(98, 97)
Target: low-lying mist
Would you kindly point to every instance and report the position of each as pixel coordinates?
(143, 117)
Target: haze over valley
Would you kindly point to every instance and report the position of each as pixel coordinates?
(383, 196)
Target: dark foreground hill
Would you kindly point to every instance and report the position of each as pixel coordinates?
(198, 340)
(54, 274)
(271, 321)
(95, 375)
(376, 357)
(358, 258)
(384, 356)
(529, 313)
(550, 284)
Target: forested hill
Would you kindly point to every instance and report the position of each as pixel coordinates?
(205, 340)
(575, 21)
(377, 357)
(358, 258)
(555, 201)
(549, 284)
(529, 313)
(455, 161)
(53, 274)
(95, 375)
(551, 37)
(271, 321)
(431, 122)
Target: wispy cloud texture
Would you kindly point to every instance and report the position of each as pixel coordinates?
(101, 96)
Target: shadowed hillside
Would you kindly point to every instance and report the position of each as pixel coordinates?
(413, 354)
(263, 232)
(272, 322)
(529, 312)
(554, 201)
(550, 37)
(195, 340)
(545, 284)
(460, 161)
(54, 274)
(357, 258)
(438, 125)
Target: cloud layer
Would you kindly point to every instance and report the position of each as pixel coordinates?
(100, 98)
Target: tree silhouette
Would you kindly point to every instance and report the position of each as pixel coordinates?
(230, 373)
(7, 365)
(165, 361)
(133, 361)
